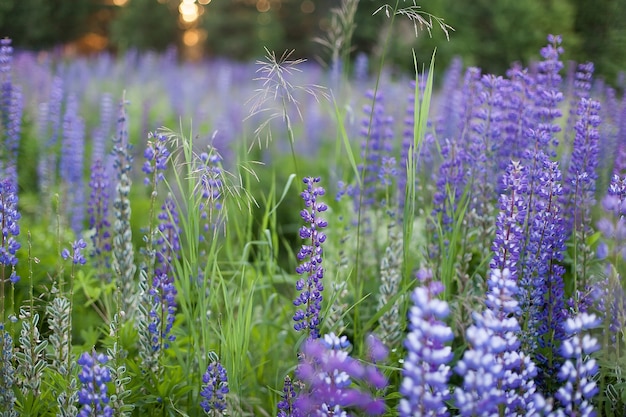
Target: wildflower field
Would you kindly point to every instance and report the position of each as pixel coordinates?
(278, 239)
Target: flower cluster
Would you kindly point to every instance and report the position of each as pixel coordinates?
(286, 406)
(310, 256)
(94, 376)
(9, 217)
(76, 253)
(98, 210)
(426, 371)
(156, 155)
(328, 371)
(578, 373)
(214, 389)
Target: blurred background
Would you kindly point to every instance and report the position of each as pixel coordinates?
(490, 34)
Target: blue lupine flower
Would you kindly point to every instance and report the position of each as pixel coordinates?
(210, 188)
(9, 217)
(286, 406)
(76, 253)
(426, 371)
(310, 256)
(156, 155)
(543, 297)
(327, 371)
(7, 371)
(215, 388)
(168, 241)
(94, 376)
(497, 377)
(98, 210)
(578, 373)
(163, 311)
(101, 133)
(580, 184)
(71, 163)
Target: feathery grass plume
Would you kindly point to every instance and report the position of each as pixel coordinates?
(579, 371)
(277, 92)
(122, 254)
(7, 374)
(9, 217)
(338, 36)
(329, 372)
(426, 371)
(310, 255)
(420, 19)
(94, 376)
(389, 325)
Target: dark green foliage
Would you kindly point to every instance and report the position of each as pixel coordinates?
(145, 25)
(41, 24)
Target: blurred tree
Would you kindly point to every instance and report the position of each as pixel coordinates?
(487, 34)
(238, 30)
(146, 24)
(40, 24)
(602, 28)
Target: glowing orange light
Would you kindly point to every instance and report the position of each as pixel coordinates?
(120, 2)
(262, 5)
(191, 37)
(204, 1)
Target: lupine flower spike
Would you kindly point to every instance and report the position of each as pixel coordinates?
(426, 371)
(310, 255)
(214, 389)
(94, 376)
(328, 372)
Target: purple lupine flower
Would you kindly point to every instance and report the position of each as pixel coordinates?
(548, 94)
(71, 163)
(163, 312)
(98, 211)
(579, 372)
(451, 180)
(156, 155)
(496, 375)
(581, 89)
(426, 372)
(210, 188)
(286, 406)
(11, 107)
(76, 252)
(50, 126)
(7, 371)
(310, 257)
(101, 133)
(214, 390)
(9, 217)
(580, 184)
(376, 132)
(328, 371)
(613, 228)
(168, 241)
(542, 288)
(94, 376)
